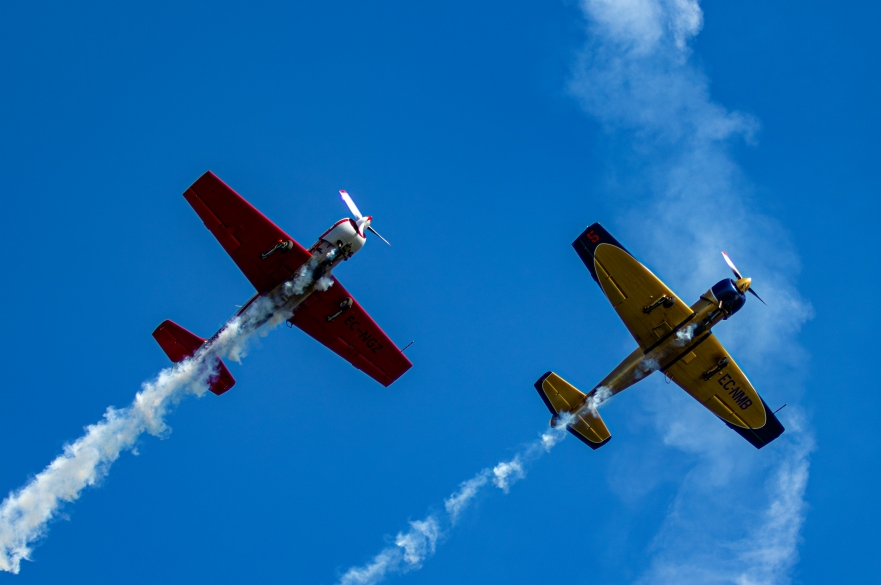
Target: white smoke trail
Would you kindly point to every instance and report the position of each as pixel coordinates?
(767, 554)
(597, 397)
(635, 76)
(26, 513)
(303, 277)
(685, 335)
(418, 544)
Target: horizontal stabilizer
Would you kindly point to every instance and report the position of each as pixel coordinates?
(179, 344)
(561, 397)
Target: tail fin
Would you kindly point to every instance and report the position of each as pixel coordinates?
(562, 397)
(179, 344)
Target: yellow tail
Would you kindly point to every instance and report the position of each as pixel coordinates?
(561, 397)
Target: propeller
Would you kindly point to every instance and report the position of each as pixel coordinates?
(740, 277)
(363, 222)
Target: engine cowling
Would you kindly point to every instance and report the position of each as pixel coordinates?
(344, 234)
(727, 293)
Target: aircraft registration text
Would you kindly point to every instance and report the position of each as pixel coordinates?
(739, 396)
(364, 335)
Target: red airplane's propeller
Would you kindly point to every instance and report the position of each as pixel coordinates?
(362, 221)
(748, 282)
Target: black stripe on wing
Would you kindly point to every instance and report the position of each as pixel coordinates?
(761, 437)
(586, 244)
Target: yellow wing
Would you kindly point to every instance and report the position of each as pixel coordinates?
(712, 377)
(649, 310)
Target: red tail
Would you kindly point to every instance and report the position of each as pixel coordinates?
(179, 344)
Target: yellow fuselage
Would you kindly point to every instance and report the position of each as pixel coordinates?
(640, 363)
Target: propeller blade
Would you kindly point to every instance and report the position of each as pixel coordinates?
(755, 294)
(376, 233)
(732, 266)
(351, 204)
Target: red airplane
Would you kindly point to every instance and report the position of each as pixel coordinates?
(289, 279)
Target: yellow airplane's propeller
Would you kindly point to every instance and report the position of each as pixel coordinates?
(743, 284)
(363, 222)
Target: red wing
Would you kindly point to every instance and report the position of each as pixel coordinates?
(245, 233)
(351, 333)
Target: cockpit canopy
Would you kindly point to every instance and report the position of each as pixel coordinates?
(732, 299)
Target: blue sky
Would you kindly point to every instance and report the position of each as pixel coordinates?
(482, 138)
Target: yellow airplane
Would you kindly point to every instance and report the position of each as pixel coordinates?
(674, 338)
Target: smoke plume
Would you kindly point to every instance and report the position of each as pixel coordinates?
(26, 512)
(417, 544)
(689, 201)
